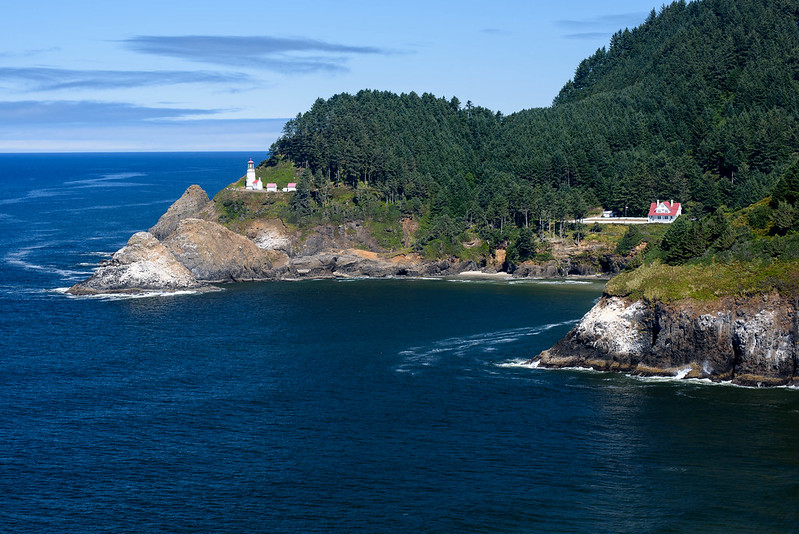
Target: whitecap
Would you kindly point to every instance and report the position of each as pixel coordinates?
(19, 259)
(31, 195)
(130, 296)
(682, 373)
(519, 362)
(105, 178)
(461, 346)
(564, 282)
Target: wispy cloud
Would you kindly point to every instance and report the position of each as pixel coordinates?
(495, 31)
(285, 55)
(29, 53)
(601, 26)
(49, 79)
(587, 35)
(28, 112)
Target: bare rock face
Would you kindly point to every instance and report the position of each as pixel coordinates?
(193, 200)
(144, 264)
(215, 254)
(750, 341)
(328, 238)
(271, 234)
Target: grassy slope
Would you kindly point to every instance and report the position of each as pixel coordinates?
(667, 283)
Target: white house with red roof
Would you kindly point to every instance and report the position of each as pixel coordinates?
(292, 186)
(271, 187)
(664, 212)
(252, 181)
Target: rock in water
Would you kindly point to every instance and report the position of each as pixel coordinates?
(193, 200)
(215, 254)
(748, 340)
(144, 264)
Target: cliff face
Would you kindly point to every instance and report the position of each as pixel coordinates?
(215, 254)
(144, 264)
(193, 200)
(750, 341)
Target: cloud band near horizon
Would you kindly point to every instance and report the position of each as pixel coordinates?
(27, 112)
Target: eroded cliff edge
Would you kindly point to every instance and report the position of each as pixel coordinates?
(747, 340)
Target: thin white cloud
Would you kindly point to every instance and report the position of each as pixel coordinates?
(495, 31)
(614, 21)
(285, 55)
(600, 27)
(591, 36)
(50, 79)
(29, 53)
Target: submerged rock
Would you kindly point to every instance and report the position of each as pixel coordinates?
(193, 200)
(144, 264)
(750, 341)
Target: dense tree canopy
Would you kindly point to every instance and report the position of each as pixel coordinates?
(700, 103)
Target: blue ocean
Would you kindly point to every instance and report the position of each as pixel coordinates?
(335, 406)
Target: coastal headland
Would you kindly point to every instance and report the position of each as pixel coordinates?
(197, 243)
(649, 321)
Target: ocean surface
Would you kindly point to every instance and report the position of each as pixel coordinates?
(345, 406)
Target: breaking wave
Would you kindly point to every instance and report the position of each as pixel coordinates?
(125, 296)
(458, 347)
(19, 259)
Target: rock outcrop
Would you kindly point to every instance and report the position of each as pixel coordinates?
(193, 200)
(600, 265)
(271, 234)
(352, 263)
(750, 341)
(144, 264)
(215, 254)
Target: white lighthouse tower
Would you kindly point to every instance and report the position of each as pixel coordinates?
(252, 182)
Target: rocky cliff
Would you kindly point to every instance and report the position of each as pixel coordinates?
(188, 249)
(143, 264)
(747, 340)
(215, 254)
(193, 200)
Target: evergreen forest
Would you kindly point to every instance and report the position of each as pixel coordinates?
(699, 104)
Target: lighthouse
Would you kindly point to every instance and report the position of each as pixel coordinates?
(252, 182)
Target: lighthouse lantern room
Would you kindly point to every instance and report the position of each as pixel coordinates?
(252, 182)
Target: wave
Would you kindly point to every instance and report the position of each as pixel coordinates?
(19, 259)
(106, 297)
(32, 195)
(555, 282)
(105, 178)
(677, 379)
(117, 206)
(483, 343)
(518, 363)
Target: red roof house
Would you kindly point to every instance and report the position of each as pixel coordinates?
(664, 212)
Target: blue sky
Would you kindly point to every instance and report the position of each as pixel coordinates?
(212, 75)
